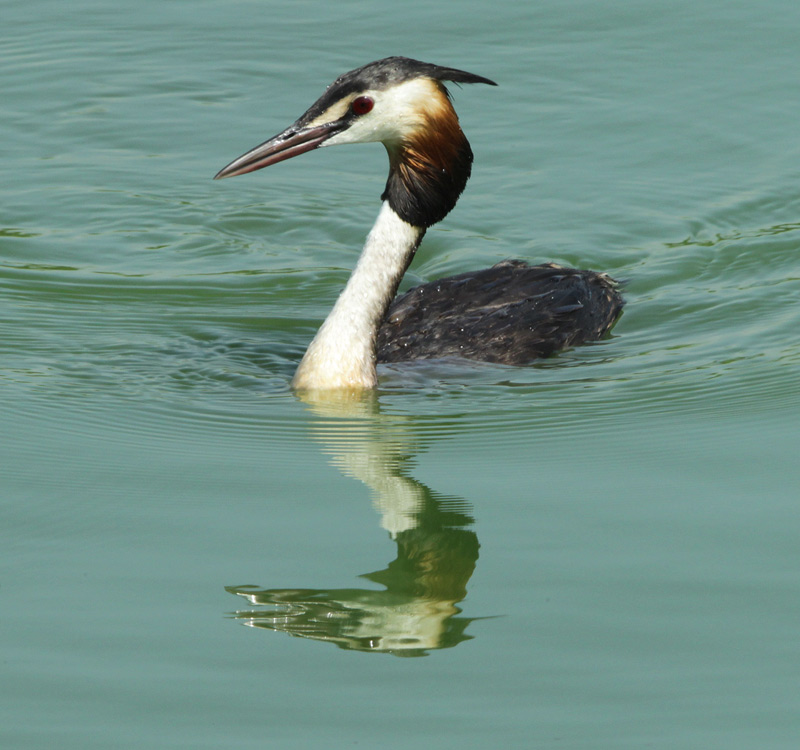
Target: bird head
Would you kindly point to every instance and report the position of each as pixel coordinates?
(401, 103)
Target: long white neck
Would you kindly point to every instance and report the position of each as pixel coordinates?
(342, 354)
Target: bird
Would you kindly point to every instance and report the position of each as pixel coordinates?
(511, 313)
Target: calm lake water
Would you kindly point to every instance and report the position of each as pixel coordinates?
(599, 551)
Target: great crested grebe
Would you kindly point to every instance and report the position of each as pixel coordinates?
(510, 313)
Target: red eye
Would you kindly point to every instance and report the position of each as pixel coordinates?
(362, 105)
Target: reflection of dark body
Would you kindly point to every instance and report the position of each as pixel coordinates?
(416, 612)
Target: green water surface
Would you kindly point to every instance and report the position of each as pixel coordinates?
(599, 551)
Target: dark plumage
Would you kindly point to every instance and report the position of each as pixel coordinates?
(511, 313)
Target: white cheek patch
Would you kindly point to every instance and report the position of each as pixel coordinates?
(398, 112)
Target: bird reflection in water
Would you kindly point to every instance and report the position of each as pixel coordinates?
(436, 551)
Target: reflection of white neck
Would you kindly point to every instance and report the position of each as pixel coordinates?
(373, 448)
(342, 354)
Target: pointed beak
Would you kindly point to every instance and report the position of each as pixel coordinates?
(295, 140)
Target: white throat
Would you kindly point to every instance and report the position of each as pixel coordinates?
(342, 354)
